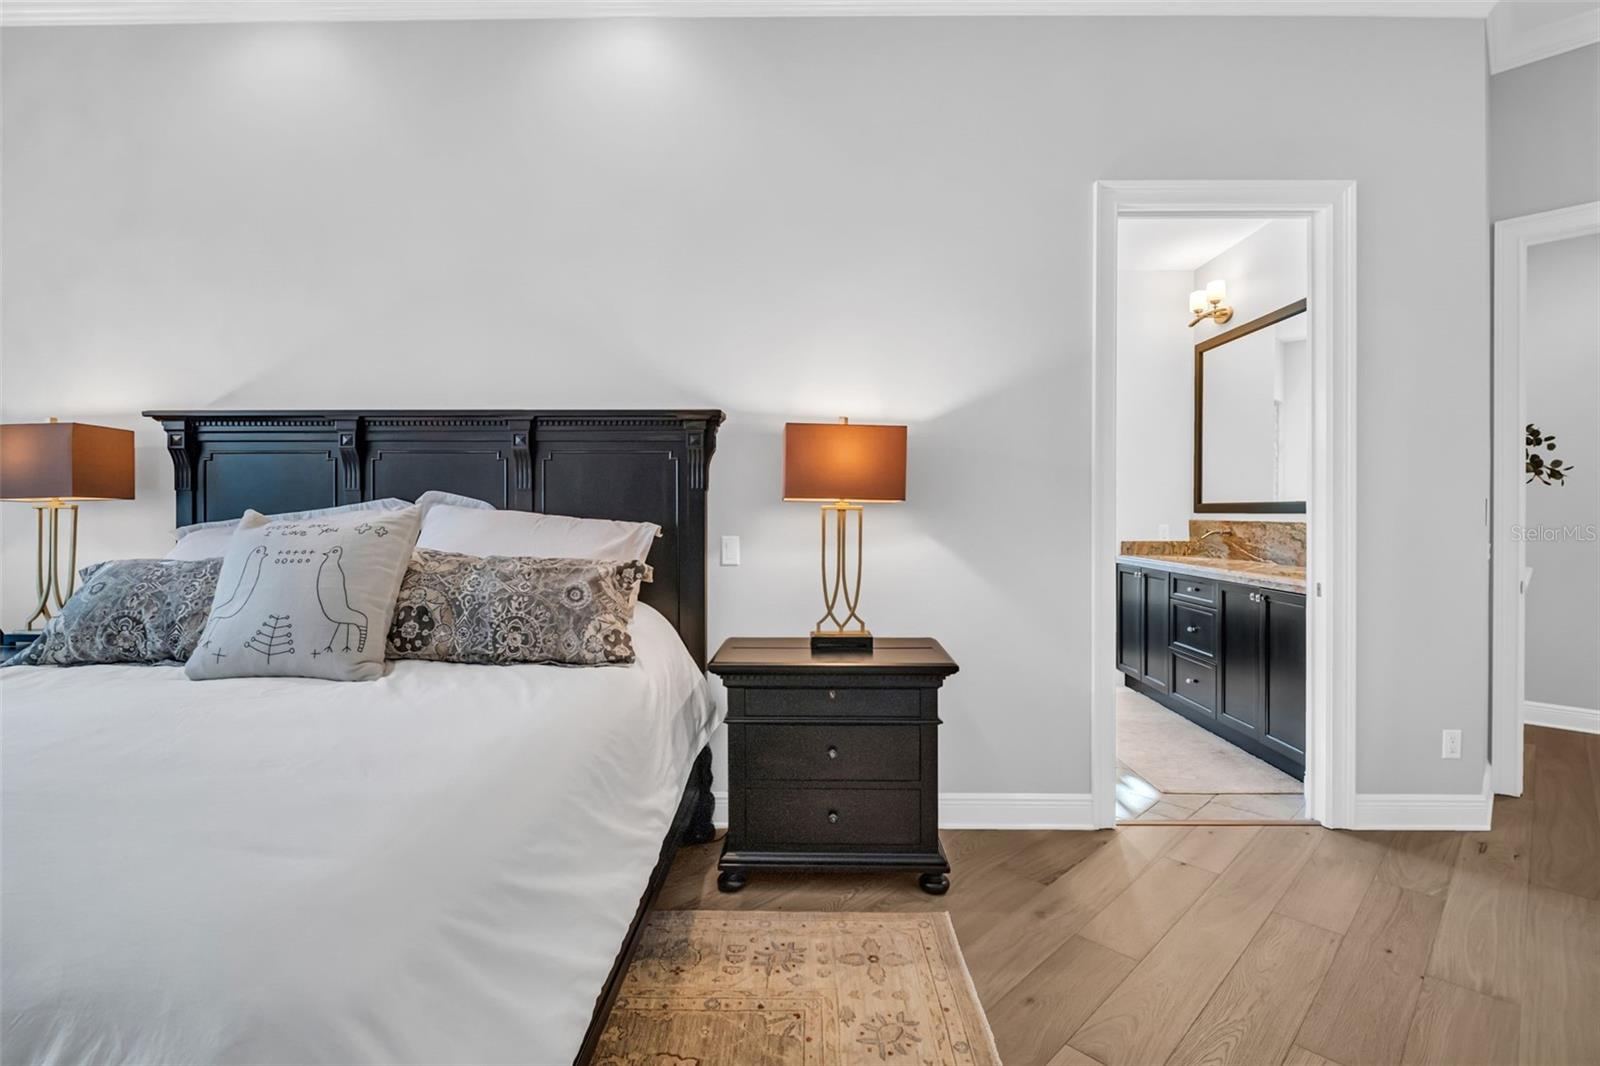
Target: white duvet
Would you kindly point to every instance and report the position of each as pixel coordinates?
(435, 867)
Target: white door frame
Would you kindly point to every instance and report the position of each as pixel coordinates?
(1512, 239)
(1329, 208)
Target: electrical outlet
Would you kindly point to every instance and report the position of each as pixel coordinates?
(730, 551)
(1164, 531)
(1452, 744)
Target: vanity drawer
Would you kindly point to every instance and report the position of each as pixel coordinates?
(1194, 629)
(845, 702)
(1195, 683)
(782, 752)
(1198, 589)
(820, 817)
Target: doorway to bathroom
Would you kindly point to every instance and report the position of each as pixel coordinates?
(1223, 673)
(1546, 552)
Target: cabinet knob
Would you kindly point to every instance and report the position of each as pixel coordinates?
(833, 817)
(833, 752)
(1192, 680)
(832, 695)
(1191, 629)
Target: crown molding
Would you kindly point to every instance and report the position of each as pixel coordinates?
(1511, 45)
(158, 12)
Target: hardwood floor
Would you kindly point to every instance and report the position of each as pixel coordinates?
(1267, 944)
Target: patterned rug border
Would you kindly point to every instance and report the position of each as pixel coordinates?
(940, 927)
(966, 976)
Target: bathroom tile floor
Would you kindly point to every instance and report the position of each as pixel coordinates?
(1139, 800)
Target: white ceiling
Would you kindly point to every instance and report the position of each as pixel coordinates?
(114, 12)
(1178, 243)
(1518, 31)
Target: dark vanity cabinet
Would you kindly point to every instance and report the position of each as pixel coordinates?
(1234, 658)
(1142, 599)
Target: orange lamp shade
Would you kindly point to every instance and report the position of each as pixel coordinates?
(65, 461)
(833, 461)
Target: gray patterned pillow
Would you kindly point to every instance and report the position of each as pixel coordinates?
(506, 609)
(128, 611)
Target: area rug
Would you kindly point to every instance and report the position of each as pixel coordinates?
(772, 988)
(1175, 755)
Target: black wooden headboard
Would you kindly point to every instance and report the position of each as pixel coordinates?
(645, 466)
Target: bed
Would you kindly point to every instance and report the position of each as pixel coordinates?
(450, 864)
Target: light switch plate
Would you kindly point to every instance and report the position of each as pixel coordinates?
(730, 551)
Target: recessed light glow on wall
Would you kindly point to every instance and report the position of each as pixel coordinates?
(290, 65)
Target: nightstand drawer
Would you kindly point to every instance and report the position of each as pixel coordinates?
(819, 817)
(781, 752)
(817, 702)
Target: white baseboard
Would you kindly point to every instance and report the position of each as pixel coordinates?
(992, 810)
(1449, 811)
(1016, 810)
(1557, 716)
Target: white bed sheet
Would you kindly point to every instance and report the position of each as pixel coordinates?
(438, 866)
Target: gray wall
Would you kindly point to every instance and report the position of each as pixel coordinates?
(1561, 371)
(1544, 134)
(790, 219)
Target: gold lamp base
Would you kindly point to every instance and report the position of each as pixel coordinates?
(51, 587)
(842, 637)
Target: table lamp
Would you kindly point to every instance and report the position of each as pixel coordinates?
(55, 465)
(843, 466)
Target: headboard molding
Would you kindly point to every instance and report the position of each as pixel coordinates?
(636, 465)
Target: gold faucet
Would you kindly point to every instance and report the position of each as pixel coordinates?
(1210, 533)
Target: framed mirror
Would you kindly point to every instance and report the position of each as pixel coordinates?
(1252, 416)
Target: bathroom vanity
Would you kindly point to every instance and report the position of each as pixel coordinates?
(1223, 643)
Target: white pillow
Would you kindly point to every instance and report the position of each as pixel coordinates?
(469, 531)
(389, 503)
(209, 540)
(434, 498)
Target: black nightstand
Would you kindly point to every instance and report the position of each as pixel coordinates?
(13, 642)
(833, 758)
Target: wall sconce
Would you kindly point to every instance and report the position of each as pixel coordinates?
(1210, 302)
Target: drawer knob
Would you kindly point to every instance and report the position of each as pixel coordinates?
(833, 817)
(1191, 629)
(832, 695)
(833, 752)
(1192, 680)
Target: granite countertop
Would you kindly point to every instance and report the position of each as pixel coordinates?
(1245, 571)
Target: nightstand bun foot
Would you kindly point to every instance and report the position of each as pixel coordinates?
(731, 880)
(934, 884)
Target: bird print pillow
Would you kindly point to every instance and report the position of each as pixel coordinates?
(306, 598)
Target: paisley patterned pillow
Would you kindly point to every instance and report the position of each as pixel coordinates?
(505, 609)
(128, 611)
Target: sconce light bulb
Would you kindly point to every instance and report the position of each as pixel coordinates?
(1217, 291)
(1197, 301)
